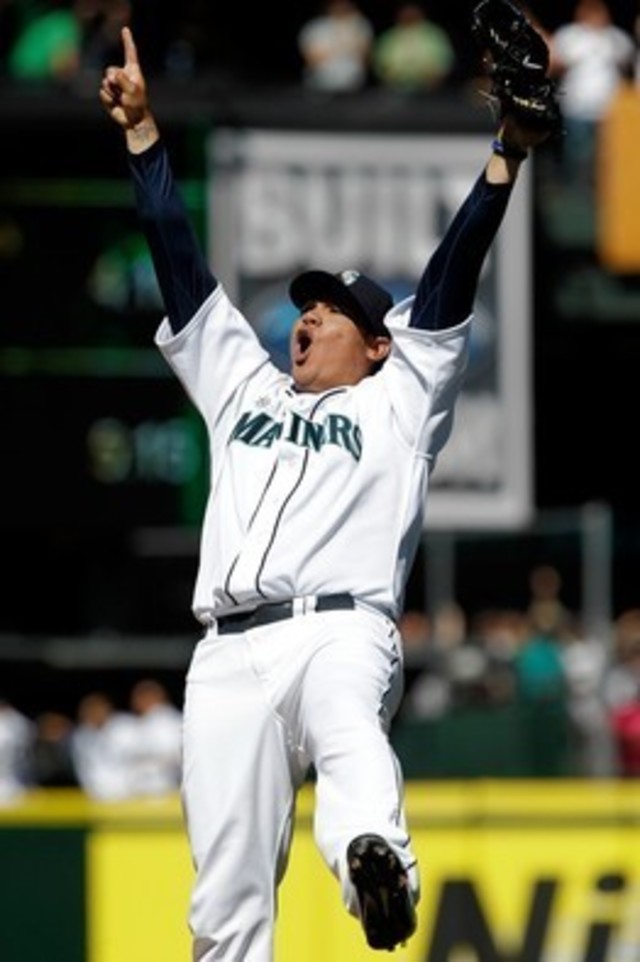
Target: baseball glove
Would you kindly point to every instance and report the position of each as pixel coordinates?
(517, 65)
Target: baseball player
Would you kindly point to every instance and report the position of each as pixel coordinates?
(319, 477)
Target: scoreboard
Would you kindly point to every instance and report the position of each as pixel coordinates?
(99, 440)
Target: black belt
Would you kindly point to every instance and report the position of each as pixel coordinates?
(271, 611)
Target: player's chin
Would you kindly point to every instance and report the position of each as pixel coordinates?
(303, 377)
(300, 381)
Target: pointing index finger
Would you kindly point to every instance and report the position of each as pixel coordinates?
(130, 50)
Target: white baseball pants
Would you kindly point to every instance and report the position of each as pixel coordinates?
(260, 707)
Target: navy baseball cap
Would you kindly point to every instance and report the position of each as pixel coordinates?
(361, 299)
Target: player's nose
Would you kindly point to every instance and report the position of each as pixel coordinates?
(311, 315)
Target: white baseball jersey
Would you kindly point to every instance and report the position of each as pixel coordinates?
(313, 493)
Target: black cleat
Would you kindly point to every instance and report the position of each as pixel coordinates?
(512, 41)
(385, 901)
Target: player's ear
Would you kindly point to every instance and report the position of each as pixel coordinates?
(378, 348)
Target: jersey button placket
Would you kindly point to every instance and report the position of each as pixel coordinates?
(264, 526)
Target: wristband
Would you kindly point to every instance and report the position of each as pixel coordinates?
(508, 150)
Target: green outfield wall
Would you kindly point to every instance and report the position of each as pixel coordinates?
(512, 871)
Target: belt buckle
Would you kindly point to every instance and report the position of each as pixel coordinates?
(303, 604)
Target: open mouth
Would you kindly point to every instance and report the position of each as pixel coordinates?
(302, 345)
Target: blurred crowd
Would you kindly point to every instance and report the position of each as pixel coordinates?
(109, 752)
(60, 41)
(577, 696)
(339, 49)
(408, 47)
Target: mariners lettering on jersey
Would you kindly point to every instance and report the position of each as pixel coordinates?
(261, 430)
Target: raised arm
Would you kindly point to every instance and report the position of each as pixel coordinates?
(516, 60)
(447, 288)
(183, 274)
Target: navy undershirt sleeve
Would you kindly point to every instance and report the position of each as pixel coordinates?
(447, 288)
(183, 274)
